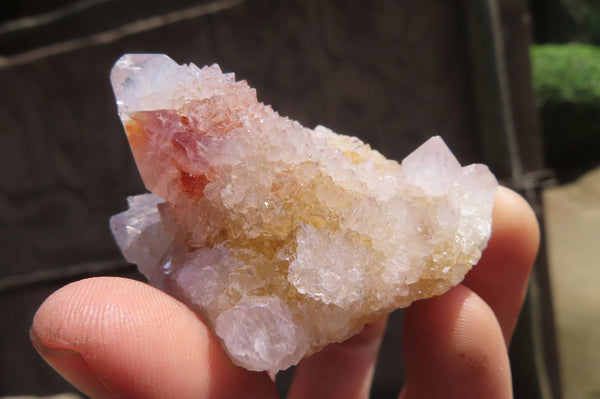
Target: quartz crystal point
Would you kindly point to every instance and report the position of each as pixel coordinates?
(283, 238)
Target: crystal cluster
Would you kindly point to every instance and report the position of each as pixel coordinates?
(283, 238)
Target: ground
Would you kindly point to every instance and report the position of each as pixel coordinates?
(572, 214)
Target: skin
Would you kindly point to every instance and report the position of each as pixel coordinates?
(113, 337)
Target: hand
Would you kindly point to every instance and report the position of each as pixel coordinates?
(113, 337)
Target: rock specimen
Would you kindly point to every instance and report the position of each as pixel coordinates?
(283, 238)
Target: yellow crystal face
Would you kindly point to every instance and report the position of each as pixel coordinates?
(283, 238)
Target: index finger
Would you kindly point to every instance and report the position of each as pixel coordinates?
(500, 278)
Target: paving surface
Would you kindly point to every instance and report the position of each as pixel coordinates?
(572, 214)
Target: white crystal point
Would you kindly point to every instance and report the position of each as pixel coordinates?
(137, 79)
(284, 239)
(432, 167)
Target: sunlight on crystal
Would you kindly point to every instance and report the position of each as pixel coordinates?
(284, 239)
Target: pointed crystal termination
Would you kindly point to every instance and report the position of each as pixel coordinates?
(283, 238)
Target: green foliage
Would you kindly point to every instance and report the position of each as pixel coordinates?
(566, 73)
(566, 81)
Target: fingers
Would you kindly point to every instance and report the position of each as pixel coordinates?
(343, 370)
(472, 334)
(455, 344)
(500, 278)
(113, 337)
(454, 348)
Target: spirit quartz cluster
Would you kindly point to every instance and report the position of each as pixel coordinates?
(284, 239)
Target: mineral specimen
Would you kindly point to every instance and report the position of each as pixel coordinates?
(283, 238)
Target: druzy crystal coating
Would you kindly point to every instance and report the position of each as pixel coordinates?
(284, 239)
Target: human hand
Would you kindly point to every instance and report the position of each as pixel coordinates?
(113, 337)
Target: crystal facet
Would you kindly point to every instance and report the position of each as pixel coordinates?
(283, 238)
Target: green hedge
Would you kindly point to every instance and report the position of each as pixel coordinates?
(566, 73)
(566, 81)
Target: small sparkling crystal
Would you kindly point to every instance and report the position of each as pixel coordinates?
(283, 238)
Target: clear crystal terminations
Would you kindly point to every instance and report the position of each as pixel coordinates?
(283, 238)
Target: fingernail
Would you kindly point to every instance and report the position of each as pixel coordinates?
(71, 365)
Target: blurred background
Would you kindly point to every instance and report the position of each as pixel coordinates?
(511, 83)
